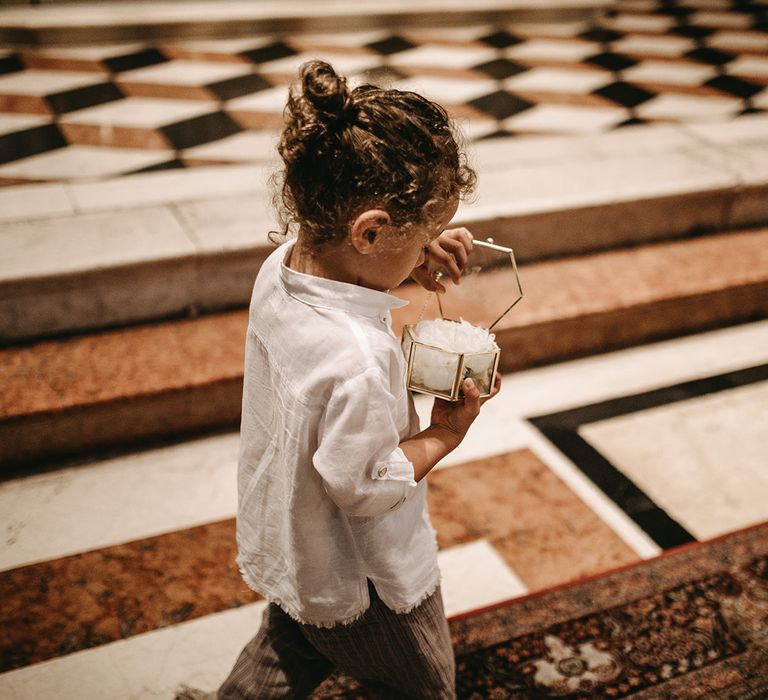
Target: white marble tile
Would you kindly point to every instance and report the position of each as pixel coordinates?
(229, 224)
(689, 107)
(761, 100)
(552, 50)
(34, 201)
(447, 90)
(169, 186)
(269, 100)
(475, 576)
(46, 82)
(749, 128)
(731, 20)
(469, 33)
(351, 39)
(223, 46)
(650, 44)
(640, 23)
(456, 57)
(185, 72)
(245, 146)
(566, 119)
(84, 242)
(669, 73)
(473, 129)
(640, 5)
(579, 82)
(90, 53)
(739, 41)
(555, 28)
(118, 500)
(557, 186)
(83, 163)
(139, 112)
(749, 66)
(701, 460)
(9, 123)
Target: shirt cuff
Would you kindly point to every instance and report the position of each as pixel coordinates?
(396, 467)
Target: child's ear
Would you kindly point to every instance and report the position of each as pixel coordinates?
(366, 230)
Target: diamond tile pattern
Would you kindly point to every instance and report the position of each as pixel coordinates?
(668, 60)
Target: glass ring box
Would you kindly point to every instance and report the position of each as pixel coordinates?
(440, 354)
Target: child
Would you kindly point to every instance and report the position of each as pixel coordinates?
(332, 523)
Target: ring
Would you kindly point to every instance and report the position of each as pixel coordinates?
(437, 275)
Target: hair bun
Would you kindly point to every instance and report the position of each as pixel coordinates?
(327, 92)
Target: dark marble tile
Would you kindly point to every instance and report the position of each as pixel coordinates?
(239, 86)
(199, 130)
(625, 94)
(675, 11)
(601, 35)
(137, 59)
(271, 52)
(735, 86)
(713, 57)
(89, 96)
(30, 142)
(611, 61)
(174, 164)
(390, 45)
(692, 32)
(500, 68)
(501, 104)
(10, 64)
(501, 39)
(633, 121)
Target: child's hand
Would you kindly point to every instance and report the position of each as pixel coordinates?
(458, 417)
(446, 254)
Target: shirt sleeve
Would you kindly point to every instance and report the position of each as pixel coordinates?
(363, 469)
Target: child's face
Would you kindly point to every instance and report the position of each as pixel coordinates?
(401, 252)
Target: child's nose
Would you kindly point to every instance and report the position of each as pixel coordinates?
(422, 258)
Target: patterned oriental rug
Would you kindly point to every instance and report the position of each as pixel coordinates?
(692, 623)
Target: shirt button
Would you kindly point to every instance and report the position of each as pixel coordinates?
(382, 471)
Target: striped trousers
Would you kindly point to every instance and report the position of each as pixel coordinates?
(394, 656)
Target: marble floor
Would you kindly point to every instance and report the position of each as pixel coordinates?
(117, 573)
(81, 113)
(122, 584)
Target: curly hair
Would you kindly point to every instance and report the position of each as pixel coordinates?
(346, 151)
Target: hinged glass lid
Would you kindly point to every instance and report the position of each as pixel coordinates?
(489, 288)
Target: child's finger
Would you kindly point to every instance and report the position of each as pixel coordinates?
(446, 259)
(471, 396)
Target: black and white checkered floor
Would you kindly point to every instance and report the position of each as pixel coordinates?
(100, 111)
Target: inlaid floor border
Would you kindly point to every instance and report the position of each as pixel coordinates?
(562, 429)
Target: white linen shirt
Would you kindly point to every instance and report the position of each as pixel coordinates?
(326, 498)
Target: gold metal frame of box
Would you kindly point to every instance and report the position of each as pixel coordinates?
(458, 378)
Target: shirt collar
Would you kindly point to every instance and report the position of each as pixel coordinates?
(332, 294)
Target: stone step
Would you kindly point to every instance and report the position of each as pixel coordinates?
(128, 386)
(125, 21)
(84, 256)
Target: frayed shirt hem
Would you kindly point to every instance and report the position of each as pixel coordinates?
(348, 620)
